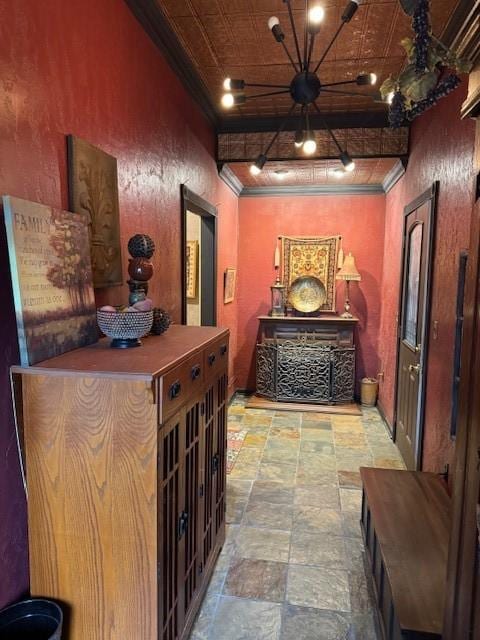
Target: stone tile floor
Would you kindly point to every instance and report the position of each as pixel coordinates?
(292, 567)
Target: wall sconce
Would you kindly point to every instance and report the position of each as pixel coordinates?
(348, 272)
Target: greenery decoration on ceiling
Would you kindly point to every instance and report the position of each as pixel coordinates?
(431, 72)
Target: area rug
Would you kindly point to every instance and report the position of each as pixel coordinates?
(234, 444)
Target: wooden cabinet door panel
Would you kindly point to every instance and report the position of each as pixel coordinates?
(208, 534)
(221, 448)
(192, 567)
(170, 497)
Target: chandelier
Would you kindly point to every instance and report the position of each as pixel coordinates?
(305, 87)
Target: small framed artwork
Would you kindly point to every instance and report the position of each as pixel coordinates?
(191, 257)
(229, 285)
(51, 277)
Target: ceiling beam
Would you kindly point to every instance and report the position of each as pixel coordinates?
(342, 120)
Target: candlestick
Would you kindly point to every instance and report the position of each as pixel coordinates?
(277, 258)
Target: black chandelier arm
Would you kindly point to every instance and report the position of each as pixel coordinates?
(337, 33)
(325, 124)
(305, 39)
(346, 93)
(336, 84)
(292, 61)
(280, 129)
(310, 51)
(292, 22)
(267, 86)
(266, 95)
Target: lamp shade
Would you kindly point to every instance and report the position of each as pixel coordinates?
(348, 270)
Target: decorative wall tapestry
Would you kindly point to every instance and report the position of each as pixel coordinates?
(51, 277)
(191, 258)
(307, 256)
(93, 190)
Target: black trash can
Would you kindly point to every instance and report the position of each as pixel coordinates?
(35, 619)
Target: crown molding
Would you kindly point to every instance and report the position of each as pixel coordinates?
(393, 176)
(320, 190)
(154, 22)
(230, 179)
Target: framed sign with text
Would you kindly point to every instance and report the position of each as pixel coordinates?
(51, 278)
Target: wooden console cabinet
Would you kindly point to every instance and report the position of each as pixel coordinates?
(306, 359)
(125, 463)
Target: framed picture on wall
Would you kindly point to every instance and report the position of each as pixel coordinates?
(192, 268)
(51, 278)
(93, 191)
(229, 284)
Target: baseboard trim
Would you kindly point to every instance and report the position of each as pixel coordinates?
(381, 411)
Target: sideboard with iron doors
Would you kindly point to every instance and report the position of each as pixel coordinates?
(125, 466)
(306, 359)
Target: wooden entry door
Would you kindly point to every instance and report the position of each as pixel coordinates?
(412, 347)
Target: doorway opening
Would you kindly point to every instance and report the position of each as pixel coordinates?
(199, 260)
(414, 314)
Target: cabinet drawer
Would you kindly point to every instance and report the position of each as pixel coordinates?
(179, 384)
(216, 357)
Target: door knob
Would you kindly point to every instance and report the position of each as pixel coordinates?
(414, 368)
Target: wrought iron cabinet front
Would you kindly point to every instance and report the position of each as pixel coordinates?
(306, 359)
(125, 459)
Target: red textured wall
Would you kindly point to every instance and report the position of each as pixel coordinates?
(441, 149)
(86, 67)
(360, 221)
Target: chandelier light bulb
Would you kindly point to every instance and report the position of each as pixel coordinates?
(299, 138)
(349, 10)
(257, 166)
(227, 84)
(316, 15)
(228, 100)
(366, 79)
(347, 162)
(309, 146)
(272, 22)
(389, 97)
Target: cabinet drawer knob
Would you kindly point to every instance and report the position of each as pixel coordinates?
(174, 390)
(196, 370)
(223, 349)
(211, 359)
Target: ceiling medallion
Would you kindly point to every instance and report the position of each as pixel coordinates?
(305, 87)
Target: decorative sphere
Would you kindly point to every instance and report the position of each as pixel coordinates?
(140, 269)
(161, 321)
(141, 246)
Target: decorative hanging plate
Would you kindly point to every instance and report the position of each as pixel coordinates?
(307, 294)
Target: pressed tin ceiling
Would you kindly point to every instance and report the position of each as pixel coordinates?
(230, 38)
(315, 173)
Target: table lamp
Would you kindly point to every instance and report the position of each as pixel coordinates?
(348, 272)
